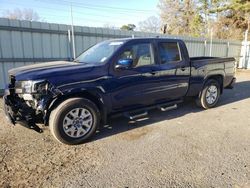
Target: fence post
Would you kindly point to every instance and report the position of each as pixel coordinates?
(211, 42)
(246, 48)
(70, 47)
(248, 56)
(205, 47)
(243, 59)
(228, 49)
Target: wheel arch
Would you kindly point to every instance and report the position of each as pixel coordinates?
(200, 99)
(92, 95)
(218, 77)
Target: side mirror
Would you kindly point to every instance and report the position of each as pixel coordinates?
(124, 64)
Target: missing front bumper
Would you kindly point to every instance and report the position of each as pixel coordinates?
(9, 114)
(16, 114)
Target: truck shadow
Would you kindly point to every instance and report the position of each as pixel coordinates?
(240, 92)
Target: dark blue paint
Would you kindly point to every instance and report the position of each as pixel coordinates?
(129, 88)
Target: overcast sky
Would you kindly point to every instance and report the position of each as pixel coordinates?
(88, 13)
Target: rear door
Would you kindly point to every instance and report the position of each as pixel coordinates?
(173, 71)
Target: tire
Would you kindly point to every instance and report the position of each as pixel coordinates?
(209, 95)
(74, 121)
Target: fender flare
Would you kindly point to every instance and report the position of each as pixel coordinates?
(94, 94)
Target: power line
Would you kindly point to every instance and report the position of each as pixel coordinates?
(102, 9)
(65, 8)
(53, 15)
(68, 17)
(100, 6)
(76, 12)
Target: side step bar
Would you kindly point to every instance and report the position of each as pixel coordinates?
(136, 116)
(142, 114)
(164, 109)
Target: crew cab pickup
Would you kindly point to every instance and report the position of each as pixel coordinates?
(115, 77)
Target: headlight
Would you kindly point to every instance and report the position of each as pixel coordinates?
(26, 86)
(31, 86)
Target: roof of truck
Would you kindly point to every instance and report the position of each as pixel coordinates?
(144, 38)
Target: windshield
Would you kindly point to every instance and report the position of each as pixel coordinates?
(99, 53)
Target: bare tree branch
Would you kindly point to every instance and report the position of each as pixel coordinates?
(24, 14)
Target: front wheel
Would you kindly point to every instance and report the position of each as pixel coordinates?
(210, 94)
(74, 121)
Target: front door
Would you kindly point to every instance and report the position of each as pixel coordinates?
(135, 87)
(159, 74)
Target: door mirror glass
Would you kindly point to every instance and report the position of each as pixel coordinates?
(124, 64)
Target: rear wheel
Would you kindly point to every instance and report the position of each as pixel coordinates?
(74, 121)
(210, 94)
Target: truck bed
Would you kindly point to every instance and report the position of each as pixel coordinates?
(203, 67)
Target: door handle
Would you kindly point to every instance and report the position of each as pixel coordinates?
(183, 68)
(149, 74)
(153, 73)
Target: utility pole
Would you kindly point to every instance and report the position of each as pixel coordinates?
(72, 29)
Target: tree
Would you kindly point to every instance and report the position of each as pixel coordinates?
(109, 26)
(241, 8)
(25, 14)
(228, 19)
(169, 13)
(181, 17)
(128, 27)
(234, 19)
(152, 24)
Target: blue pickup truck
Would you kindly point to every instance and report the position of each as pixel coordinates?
(115, 77)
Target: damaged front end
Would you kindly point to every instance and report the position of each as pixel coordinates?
(26, 102)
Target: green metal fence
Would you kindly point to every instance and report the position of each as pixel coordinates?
(25, 42)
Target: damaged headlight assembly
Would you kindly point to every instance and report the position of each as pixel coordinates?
(30, 87)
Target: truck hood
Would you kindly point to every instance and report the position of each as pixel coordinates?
(55, 72)
(40, 66)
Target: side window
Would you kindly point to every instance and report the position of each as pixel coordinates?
(141, 54)
(169, 52)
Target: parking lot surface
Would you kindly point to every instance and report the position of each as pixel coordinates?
(186, 147)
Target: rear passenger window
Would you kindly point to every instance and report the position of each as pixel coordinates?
(169, 52)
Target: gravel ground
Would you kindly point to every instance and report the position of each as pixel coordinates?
(187, 147)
